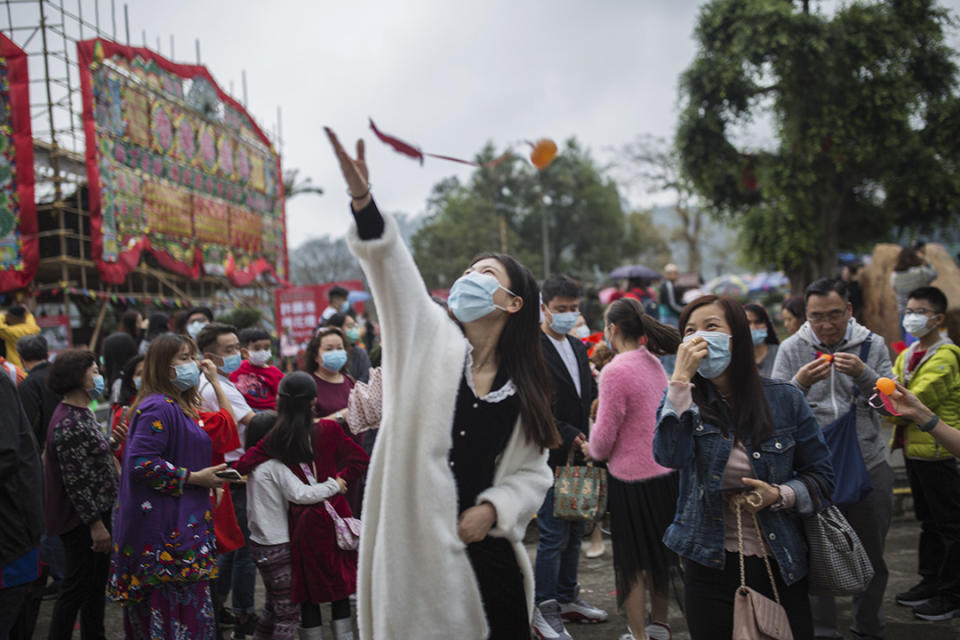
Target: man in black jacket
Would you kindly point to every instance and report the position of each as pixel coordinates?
(558, 551)
(38, 399)
(21, 506)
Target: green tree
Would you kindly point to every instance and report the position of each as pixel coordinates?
(865, 115)
(294, 186)
(502, 208)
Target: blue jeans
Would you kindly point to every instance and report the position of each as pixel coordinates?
(558, 555)
(238, 573)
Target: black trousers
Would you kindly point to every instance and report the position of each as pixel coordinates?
(935, 485)
(709, 593)
(501, 588)
(83, 587)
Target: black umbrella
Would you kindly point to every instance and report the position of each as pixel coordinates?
(634, 271)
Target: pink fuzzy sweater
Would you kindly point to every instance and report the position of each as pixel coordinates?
(631, 387)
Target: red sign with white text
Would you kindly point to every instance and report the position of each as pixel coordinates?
(299, 309)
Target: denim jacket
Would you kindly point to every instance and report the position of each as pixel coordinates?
(796, 455)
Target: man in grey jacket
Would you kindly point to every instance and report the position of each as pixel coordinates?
(828, 383)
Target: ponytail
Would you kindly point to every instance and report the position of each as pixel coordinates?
(628, 315)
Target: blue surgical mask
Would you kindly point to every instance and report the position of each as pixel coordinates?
(231, 363)
(718, 353)
(193, 329)
(137, 382)
(563, 323)
(98, 386)
(188, 376)
(758, 335)
(353, 334)
(334, 360)
(471, 296)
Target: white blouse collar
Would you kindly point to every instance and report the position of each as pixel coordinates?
(497, 395)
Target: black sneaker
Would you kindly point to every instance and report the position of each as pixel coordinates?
(938, 608)
(919, 593)
(246, 626)
(226, 619)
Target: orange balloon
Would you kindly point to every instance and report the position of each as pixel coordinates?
(544, 151)
(886, 386)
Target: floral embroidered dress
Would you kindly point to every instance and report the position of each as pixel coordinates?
(163, 554)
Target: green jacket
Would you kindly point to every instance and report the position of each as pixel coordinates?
(936, 382)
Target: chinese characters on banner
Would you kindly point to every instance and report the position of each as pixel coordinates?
(178, 169)
(298, 309)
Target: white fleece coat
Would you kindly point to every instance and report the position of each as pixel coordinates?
(414, 578)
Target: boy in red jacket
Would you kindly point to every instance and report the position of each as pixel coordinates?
(256, 378)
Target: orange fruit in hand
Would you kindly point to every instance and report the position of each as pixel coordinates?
(827, 356)
(886, 386)
(544, 151)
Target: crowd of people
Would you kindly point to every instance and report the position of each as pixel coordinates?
(444, 442)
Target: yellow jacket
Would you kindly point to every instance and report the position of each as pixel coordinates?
(936, 382)
(10, 333)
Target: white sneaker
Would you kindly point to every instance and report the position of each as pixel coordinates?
(658, 631)
(579, 611)
(547, 623)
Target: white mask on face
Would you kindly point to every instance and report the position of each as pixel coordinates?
(260, 358)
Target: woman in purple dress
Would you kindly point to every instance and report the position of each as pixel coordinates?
(164, 547)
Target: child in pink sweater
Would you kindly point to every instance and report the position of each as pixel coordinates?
(642, 494)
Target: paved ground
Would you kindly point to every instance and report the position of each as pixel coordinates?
(596, 577)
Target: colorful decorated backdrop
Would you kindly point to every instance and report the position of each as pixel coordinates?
(18, 214)
(176, 168)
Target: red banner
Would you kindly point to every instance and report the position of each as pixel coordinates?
(19, 255)
(177, 168)
(298, 309)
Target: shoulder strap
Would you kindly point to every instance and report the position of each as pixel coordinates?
(864, 354)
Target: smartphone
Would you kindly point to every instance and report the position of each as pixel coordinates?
(739, 489)
(230, 475)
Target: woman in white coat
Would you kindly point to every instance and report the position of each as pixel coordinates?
(460, 465)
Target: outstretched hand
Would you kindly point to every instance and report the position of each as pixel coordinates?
(354, 170)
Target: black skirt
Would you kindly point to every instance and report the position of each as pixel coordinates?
(640, 513)
(501, 588)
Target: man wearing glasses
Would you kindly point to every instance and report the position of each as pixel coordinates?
(836, 361)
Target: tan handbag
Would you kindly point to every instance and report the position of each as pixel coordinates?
(755, 616)
(579, 492)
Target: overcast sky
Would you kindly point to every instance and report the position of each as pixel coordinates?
(446, 75)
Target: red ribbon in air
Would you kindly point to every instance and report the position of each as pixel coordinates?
(408, 149)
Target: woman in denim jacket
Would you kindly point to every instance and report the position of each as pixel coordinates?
(725, 428)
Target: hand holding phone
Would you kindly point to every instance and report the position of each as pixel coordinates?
(230, 475)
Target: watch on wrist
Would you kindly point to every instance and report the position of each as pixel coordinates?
(929, 424)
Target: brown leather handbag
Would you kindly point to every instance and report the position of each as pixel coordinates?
(755, 616)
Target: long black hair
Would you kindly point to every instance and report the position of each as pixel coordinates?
(750, 410)
(761, 312)
(522, 356)
(629, 317)
(128, 389)
(291, 439)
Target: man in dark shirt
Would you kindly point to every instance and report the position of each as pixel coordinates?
(557, 595)
(38, 400)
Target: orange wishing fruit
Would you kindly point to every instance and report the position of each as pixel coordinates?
(827, 356)
(886, 386)
(544, 151)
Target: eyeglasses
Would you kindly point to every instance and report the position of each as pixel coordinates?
(921, 311)
(831, 317)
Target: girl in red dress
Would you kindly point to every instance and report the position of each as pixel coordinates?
(314, 450)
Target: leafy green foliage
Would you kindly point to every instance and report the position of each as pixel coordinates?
(866, 118)
(589, 233)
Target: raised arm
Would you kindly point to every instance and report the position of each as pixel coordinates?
(406, 310)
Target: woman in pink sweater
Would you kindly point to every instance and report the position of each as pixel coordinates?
(642, 495)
